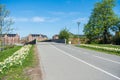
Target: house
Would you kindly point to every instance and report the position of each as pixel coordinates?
(44, 37)
(11, 39)
(55, 37)
(23, 40)
(38, 37)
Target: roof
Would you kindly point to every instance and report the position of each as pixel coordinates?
(9, 35)
(44, 36)
(35, 35)
(56, 35)
(38, 35)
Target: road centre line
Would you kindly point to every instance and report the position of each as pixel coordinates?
(72, 49)
(97, 68)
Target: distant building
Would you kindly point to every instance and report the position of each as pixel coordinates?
(55, 37)
(23, 40)
(38, 37)
(11, 39)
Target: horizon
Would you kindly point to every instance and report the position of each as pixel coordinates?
(48, 17)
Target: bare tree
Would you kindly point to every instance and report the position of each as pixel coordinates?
(5, 22)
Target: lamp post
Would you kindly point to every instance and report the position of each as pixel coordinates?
(78, 32)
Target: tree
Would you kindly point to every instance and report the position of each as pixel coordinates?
(116, 28)
(101, 21)
(64, 34)
(118, 25)
(5, 21)
(89, 31)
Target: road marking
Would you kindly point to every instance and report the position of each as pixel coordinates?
(107, 59)
(75, 50)
(96, 56)
(97, 68)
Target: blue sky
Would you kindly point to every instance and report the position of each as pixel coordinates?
(50, 16)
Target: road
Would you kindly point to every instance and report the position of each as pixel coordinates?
(66, 62)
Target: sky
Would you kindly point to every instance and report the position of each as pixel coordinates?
(48, 17)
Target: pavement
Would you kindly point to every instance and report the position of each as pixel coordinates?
(66, 62)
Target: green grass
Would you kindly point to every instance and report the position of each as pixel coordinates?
(18, 72)
(8, 52)
(107, 45)
(101, 50)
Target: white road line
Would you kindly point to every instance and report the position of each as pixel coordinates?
(107, 59)
(75, 50)
(70, 48)
(97, 68)
(98, 57)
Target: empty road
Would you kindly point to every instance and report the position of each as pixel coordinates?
(66, 62)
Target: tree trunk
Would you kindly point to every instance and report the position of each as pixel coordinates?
(105, 37)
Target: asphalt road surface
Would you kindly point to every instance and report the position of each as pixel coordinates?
(66, 62)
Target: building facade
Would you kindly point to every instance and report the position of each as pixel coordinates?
(55, 37)
(11, 39)
(38, 37)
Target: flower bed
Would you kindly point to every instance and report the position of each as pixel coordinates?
(102, 48)
(16, 59)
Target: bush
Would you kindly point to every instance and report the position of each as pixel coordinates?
(64, 34)
(116, 38)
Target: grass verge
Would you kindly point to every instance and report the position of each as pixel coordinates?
(102, 50)
(17, 72)
(8, 52)
(107, 45)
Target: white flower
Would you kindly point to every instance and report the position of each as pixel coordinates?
(104, 48)
(16, 58)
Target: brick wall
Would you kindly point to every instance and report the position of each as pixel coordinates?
(11, 40)
(38, 37)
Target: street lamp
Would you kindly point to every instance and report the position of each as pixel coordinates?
(78, 33)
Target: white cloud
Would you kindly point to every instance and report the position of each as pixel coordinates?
(38, 19)
(53, 19)
(22, 19)
(82, 20)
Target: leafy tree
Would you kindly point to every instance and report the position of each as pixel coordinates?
(101, 21)
(116, 28)
(116, 38)
(89, 32)
(64, 34)
(118, 25)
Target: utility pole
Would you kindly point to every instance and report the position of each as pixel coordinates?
(78, 33)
